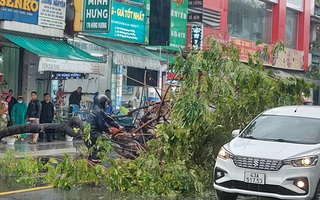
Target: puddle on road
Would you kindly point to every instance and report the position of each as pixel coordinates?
(9, 185)
(92, 192)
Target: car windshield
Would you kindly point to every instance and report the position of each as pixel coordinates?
(284, 129)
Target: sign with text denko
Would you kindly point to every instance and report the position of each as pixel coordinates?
(25, 11)
(96, 15)
(49, 13)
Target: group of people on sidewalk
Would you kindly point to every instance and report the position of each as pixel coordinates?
(16, 112)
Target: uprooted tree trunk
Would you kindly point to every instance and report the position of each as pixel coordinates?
(65, 127)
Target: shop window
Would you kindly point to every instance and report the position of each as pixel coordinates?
(139, 75)
(159, 27)
(250, 19)
(292, 18)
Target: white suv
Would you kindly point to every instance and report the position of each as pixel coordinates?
(275, 156)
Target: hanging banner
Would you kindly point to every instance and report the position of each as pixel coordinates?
(289, 59)
(195, 17)
(73, 66)
(119, 86)
(196, 36)
(195, 3)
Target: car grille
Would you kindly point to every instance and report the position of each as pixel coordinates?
(257, 163)
(258, 188)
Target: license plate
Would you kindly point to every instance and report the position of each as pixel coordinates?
(256, 178)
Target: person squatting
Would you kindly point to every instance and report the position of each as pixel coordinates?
(100, 122)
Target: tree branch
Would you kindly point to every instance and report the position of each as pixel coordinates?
(66, 127)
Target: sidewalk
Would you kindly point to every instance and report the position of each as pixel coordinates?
(57, 147)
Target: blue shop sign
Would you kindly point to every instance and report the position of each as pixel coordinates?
(20, 11)
(127, 23)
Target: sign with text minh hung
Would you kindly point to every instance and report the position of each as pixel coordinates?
(96, 15)
(127, 23)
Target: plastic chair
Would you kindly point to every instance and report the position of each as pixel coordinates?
(75, 110)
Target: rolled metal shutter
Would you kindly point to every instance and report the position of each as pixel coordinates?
(295, 4)
(272, 1)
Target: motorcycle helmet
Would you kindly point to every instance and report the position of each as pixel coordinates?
(101, 100)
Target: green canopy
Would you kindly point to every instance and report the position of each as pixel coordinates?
(57, 55)
(47, 47)
(129, 54)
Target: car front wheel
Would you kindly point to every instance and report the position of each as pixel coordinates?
(317, 193)
(226, 196)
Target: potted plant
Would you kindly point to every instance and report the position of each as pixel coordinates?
(12, 139)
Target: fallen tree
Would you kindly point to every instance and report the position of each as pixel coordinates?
(179, 158)
(73, 127)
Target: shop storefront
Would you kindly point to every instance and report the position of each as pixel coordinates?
(32, 47)
(268, 21)
(29, 62)
(130, 65)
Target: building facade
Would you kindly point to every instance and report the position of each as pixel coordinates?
(130, 65)
(33, 47)
(246, 21)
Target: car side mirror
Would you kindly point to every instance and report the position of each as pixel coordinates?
(236, 133)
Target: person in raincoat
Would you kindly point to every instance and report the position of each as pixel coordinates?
(18, 113)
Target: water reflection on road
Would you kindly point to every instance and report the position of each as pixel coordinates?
(87, 192)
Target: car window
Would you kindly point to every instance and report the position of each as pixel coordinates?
(284, 129)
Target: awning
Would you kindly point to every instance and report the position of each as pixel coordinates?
(57, 55)
(282, 73)
(289, 73)
(131, 55)
(168, 57)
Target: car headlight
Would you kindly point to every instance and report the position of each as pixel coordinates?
(224, 154)
(302, 162)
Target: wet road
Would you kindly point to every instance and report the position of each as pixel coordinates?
(85, 192)
(94, 193)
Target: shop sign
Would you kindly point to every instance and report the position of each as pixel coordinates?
(20, 11)
(289, 59)
(48, 13)
(52, 13)
(195, 17)
(248, 47)
(66, 75)
(196, 36)
(119, 86)
(178, 28)
(96, 15)
(127, 23)
(71, 66)
(195, 3)
(218, 35)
